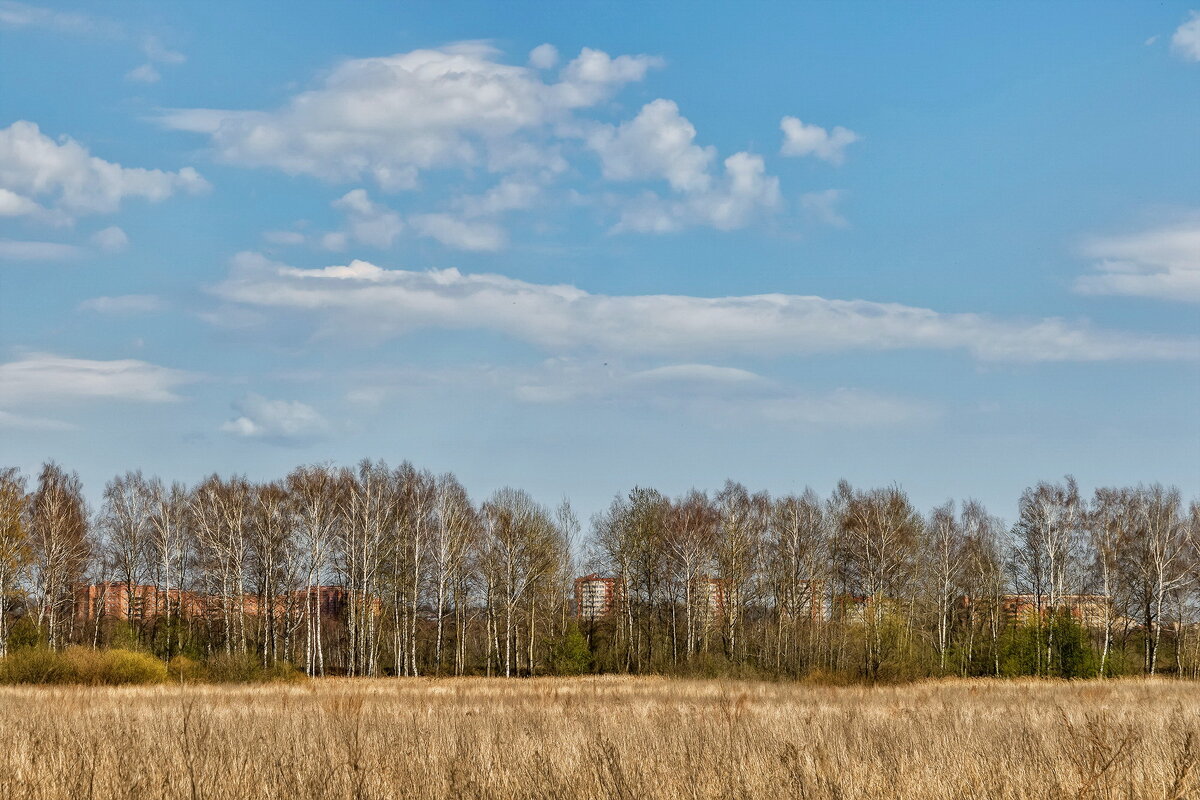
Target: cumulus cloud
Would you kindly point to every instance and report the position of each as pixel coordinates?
(63, 173)
(659, 143)
(800, 139)
(278, 421)
(367, 222)
(16, 250)
(544, 56)
(14, 205)
(1185, 42)
(111, 239)
(41, 378)
(387, 119)
(1163, 263)
(561, 318)
(124, 304)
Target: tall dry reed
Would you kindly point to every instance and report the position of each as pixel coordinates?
(602, 737)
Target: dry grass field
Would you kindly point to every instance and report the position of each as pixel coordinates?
(602, 737)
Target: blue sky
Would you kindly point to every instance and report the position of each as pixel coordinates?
(579, 247)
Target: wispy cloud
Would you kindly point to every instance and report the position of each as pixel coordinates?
(39, 378)
(1161, 263)
(365, 298)
(17, 250)
(24, 15)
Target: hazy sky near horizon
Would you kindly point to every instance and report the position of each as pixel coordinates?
(580, 247)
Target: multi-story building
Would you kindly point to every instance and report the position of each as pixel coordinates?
(596, 597)
(111, 600)
(806, 600)
(1089, 610)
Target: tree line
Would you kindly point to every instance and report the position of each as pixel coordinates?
(856, 585)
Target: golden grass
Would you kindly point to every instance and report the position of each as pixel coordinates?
(602, 737)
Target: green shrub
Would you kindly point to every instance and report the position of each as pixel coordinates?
(569, 654)
(25, 633)
(36, 665)
(80, 665)
(114, 667)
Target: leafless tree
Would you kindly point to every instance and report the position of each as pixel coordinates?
(14, 546)
(60, 544)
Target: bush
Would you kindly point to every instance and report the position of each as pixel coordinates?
(115, 667)
(81, 665)
(36, 665)
(569, 654)
(234, 668)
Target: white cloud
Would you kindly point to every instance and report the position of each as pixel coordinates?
(156, 53)
(364, 298)
(32, 165)
(14, 205)
(124, 304)
(743, 193)
(146, 73)
(1185, 42)
(41, 378)
(1163, 263)
(279, 421)
(544, 56)
(367, 222)
(22, 15)
(460, 234)
(111, 239)
(160, 54)
(387, 119)
(800, 139)
(15, 250)
(510, 194)
(822, 207)
(659, 143)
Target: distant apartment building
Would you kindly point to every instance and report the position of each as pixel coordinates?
(1089, 610)
(596, 597)
(116, 600)
(806, 600)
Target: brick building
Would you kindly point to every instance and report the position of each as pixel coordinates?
(596, 597)
(111, 600)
